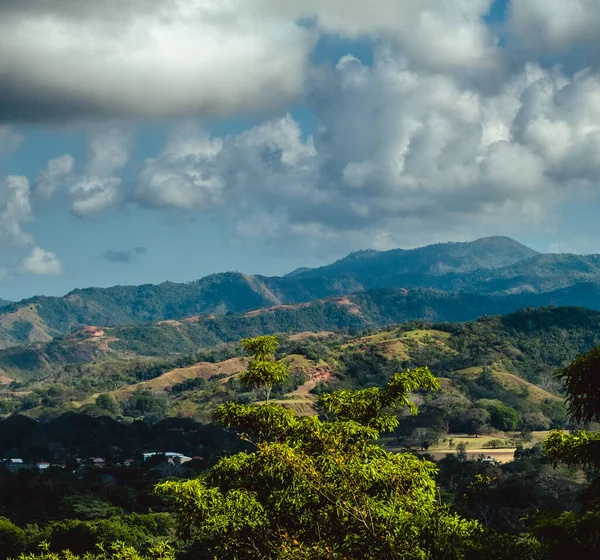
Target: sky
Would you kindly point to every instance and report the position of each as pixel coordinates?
(151, 140)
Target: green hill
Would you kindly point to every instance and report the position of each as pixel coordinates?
(507, 358)
(490, 275)
(366, 310)
(398, 267)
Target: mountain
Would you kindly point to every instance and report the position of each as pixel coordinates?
(40, 318)
(494, 266)
(398, 267)
(4, 302)
(363, 310)
(540, 273)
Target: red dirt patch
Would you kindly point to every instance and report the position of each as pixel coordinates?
(93, 331)
(194, 319)
(353, 309)
(4, 379)
(273, 308)
(316, 375)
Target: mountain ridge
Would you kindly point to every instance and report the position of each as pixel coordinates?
(496, 266)
(365, 310)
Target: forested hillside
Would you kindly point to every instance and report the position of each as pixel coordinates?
(520, 351)
(81, 478)
(498, 269)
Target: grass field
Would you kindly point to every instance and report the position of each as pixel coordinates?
(474, 446)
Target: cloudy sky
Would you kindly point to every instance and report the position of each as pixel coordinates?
(146, 140)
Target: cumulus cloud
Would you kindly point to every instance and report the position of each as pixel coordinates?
(15, 209)
(555, 25)
(42, 262)
(124, 257)
(399, 154)
(97, 188)
(147, 58)
(54, 175)
(443, 35)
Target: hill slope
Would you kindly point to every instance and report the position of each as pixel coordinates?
(507, 358)
(365, 310)
(398, 267)
(495, 266)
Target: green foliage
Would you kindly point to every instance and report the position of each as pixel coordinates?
(581, 382)
(12, 538)
(366, 406)
(578, 535)
(142, 532)
(263, 371)
(142, 404)
(577, 448)
(319, 488)
(569, 535)
(115, 551)
(476, 421)
(502, 417)
(106, 402)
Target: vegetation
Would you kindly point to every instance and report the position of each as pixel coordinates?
(263, 371)
(333, 464)
(448, 282)
(318, 488)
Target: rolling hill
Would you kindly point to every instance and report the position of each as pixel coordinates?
(493, 275)
(509, 358)
(365, 310)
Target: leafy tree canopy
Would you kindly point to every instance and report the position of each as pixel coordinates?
(318, 487)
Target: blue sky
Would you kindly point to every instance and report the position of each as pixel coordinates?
(137, 148)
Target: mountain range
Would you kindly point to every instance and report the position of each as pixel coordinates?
(489, 275)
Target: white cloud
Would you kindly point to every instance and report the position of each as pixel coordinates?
(555, 25)
(15, 201)
(42, 262)
(435, 34)
(400, 155)
(147, 58)
(93, 194)
(183, 176)
(55, 174)
(98, 187)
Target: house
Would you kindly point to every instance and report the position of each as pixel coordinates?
(489, 460)
(170, 455)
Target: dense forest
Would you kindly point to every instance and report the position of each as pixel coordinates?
(123, 450)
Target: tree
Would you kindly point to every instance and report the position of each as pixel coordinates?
(316, 488)
(569, 533)
(116, 551)
(263, 371)
(502, 417)
(106, 402)
(476, 421)
(12, 539)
